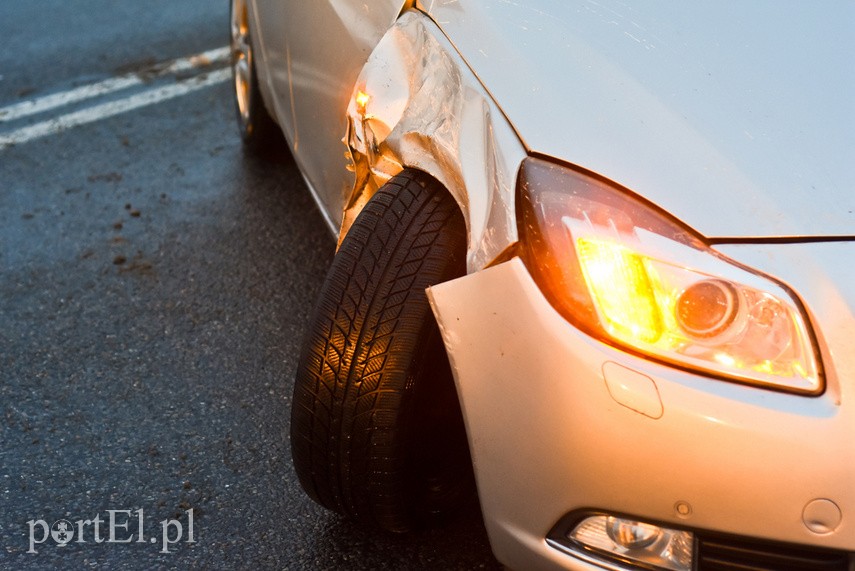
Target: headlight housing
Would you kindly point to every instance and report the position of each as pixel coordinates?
(624, 272)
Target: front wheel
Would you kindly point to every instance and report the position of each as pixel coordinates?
(376, 429)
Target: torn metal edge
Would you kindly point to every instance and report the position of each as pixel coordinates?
(417, 105)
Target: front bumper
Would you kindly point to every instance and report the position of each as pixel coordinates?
(558, 422)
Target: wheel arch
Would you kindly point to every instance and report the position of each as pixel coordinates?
(418, 105)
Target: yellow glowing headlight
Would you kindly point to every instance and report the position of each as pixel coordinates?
(621, 288)
(624, 272)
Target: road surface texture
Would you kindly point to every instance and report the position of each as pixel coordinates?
(155, 282)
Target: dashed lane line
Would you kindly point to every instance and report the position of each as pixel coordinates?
(113, 84)
(112, 108)
(101, 111)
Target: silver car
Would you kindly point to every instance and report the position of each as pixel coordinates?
(595, 260)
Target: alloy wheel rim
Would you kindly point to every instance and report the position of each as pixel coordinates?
(241, 57)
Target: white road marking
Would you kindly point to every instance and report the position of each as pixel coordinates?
(109, 109)
(48, 102)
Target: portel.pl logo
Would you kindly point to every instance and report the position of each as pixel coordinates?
(117, 527)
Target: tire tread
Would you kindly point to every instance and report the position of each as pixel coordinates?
(353, 388)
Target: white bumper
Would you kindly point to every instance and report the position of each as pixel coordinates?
(559, 422)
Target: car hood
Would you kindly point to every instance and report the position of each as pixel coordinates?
(736, 117)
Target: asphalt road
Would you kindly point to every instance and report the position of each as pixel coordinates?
(155, 282)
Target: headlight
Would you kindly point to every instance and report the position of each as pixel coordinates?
(622, 271)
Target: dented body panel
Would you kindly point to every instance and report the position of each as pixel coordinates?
(310, 55)
(422, 108)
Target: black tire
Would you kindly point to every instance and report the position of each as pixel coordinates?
(376, 429)
(257, 128)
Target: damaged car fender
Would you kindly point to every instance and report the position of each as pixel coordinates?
(416, 104)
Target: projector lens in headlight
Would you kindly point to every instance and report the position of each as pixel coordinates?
(707, 308)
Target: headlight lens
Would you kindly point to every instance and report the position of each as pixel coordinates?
(625, 273)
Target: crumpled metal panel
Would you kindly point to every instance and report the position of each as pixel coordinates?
(417, 105)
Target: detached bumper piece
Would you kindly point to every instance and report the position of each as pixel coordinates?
(617, 542)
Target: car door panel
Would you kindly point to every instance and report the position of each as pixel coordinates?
(313, 52)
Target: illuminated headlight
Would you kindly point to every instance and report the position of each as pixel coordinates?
(641, 544)
(622, 271)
